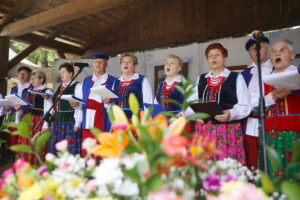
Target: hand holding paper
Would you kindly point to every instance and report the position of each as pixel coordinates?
(104, 92)
(40, 93)
(13, 100)
(70, 97)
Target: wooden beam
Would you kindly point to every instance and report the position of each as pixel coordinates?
(64, 13)
(61, 54)
(4, 46)
(13, 62)
(98, 40)
(62, 28)
(35, 39)
(19, 9)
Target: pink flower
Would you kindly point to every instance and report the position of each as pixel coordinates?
(48, 197)
(42, 170)
(7, 172)
(2, 182)
(91, 162)
(211, 182)
(49, 157)
(175, 145)
(165, 195)
(19, 164)
(62, 145)
(64, 165)
(121, 127)
(89, 186)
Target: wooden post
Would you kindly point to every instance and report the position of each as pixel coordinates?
(4, 46)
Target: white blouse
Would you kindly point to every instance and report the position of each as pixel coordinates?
(241, 109)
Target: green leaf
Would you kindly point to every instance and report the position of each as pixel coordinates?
(188, 94)
(133, 174)
(154, 183)
(291, 190)
(23, 129)
(95, 131)
(296, 152)
(180, 89)
(42, 140)
(273, 157)
(197, 116)
(167, 113)
(21, 148)
(267, 184)
(135, 120)
(172, 101)
(132, 149)
(133, 104)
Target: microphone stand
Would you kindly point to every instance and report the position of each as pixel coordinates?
(47, 116)
(261, 115)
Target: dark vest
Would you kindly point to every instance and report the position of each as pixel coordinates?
(37, 102)
(228, 96)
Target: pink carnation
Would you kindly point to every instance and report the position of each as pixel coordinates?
(175, 145)
(121, 127)
(7, 172)
(62, 145)
(165, 195)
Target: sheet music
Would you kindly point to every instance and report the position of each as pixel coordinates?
(104, 92)
(286, 80)
(70, 97)
(39, 92)
(16, 100)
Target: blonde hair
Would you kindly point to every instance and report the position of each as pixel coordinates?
(40, 74)
(179, 60)
(132, 56)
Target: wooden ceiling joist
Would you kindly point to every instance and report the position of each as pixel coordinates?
(98, 40)
(22, 6)
(61, 14)
(22, 55)
(35, 39)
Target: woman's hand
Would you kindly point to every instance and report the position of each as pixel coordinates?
(280, 93)
(7, 107)
(46, 97)
(224, 117)
(106, 100)
(18, 107)
(76, 129)
(74, 104)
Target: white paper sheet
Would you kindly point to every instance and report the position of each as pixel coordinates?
(16, 100)
(286, 80)
(103, 92)
(39, 92)
(6, 102)
(70, 97)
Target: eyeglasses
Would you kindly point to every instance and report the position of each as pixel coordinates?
(127, 62)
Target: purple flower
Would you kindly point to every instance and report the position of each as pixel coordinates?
(229, 178)
(42, 170)
(211, 182)
(7, 172)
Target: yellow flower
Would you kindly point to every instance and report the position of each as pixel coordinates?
(111, 144)
(230, 186)
(177, 126)
(120, 117)
(38, 190)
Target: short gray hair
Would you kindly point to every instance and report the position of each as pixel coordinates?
(40, 74)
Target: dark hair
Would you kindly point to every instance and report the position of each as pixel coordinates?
(68, 67)
(216, 45)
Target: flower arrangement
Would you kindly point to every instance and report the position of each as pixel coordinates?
(142, 158)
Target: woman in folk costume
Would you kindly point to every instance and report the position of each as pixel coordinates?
(283, 118)
(167, 88)
(229, 90)
(67, 120)
(132, 82)
(40, 105)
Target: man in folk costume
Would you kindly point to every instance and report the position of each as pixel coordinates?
(94, 114)
(283, 117)
(251, 77)
(21, 90)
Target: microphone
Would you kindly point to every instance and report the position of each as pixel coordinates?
(80, 65)
(4, 79)
(257, 35)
